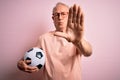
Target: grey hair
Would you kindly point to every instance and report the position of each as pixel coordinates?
(60, 3)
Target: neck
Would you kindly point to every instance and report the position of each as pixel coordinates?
(61, 30)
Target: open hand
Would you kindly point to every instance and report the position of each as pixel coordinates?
(75, 26)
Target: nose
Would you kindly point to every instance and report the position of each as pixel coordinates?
(59, 16)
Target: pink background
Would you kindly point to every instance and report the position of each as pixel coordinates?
(22, 21)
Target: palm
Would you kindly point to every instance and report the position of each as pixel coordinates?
(75, 24)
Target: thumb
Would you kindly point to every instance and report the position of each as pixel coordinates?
(62, 34)
(27, 62)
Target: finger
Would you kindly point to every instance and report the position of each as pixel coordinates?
(70, 18)
(35, 70)
(61, 34)
(78, 15)
(27, 61)
(31, 69)
(78, 21)
(70, 15)
(82, 20)
(74, 13)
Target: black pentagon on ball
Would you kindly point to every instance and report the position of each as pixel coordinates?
(39, 55)
(39, 66)
(28, 59)
(30, 50)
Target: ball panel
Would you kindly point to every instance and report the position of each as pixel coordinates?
(39, 55)
(39, 66)
(30, 50)
(28, 59)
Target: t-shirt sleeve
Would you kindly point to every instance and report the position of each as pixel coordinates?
(39, 42)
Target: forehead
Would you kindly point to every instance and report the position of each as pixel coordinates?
(61, 8)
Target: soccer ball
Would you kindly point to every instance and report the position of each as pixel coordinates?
(37, 57)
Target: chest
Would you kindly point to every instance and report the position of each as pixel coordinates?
(60, 48)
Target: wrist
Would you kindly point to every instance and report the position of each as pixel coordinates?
(20, 65)
(77, 42)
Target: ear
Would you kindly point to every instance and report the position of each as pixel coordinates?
(53, 17)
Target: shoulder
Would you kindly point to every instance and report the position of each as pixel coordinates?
(46, 35)
(43, 38)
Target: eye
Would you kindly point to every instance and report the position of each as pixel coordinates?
(63, 13)
(56, 14)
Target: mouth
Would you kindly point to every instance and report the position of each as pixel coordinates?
(60, 22)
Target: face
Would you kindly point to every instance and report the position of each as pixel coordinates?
(60, 17)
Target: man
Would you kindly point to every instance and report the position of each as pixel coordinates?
(63, 47)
